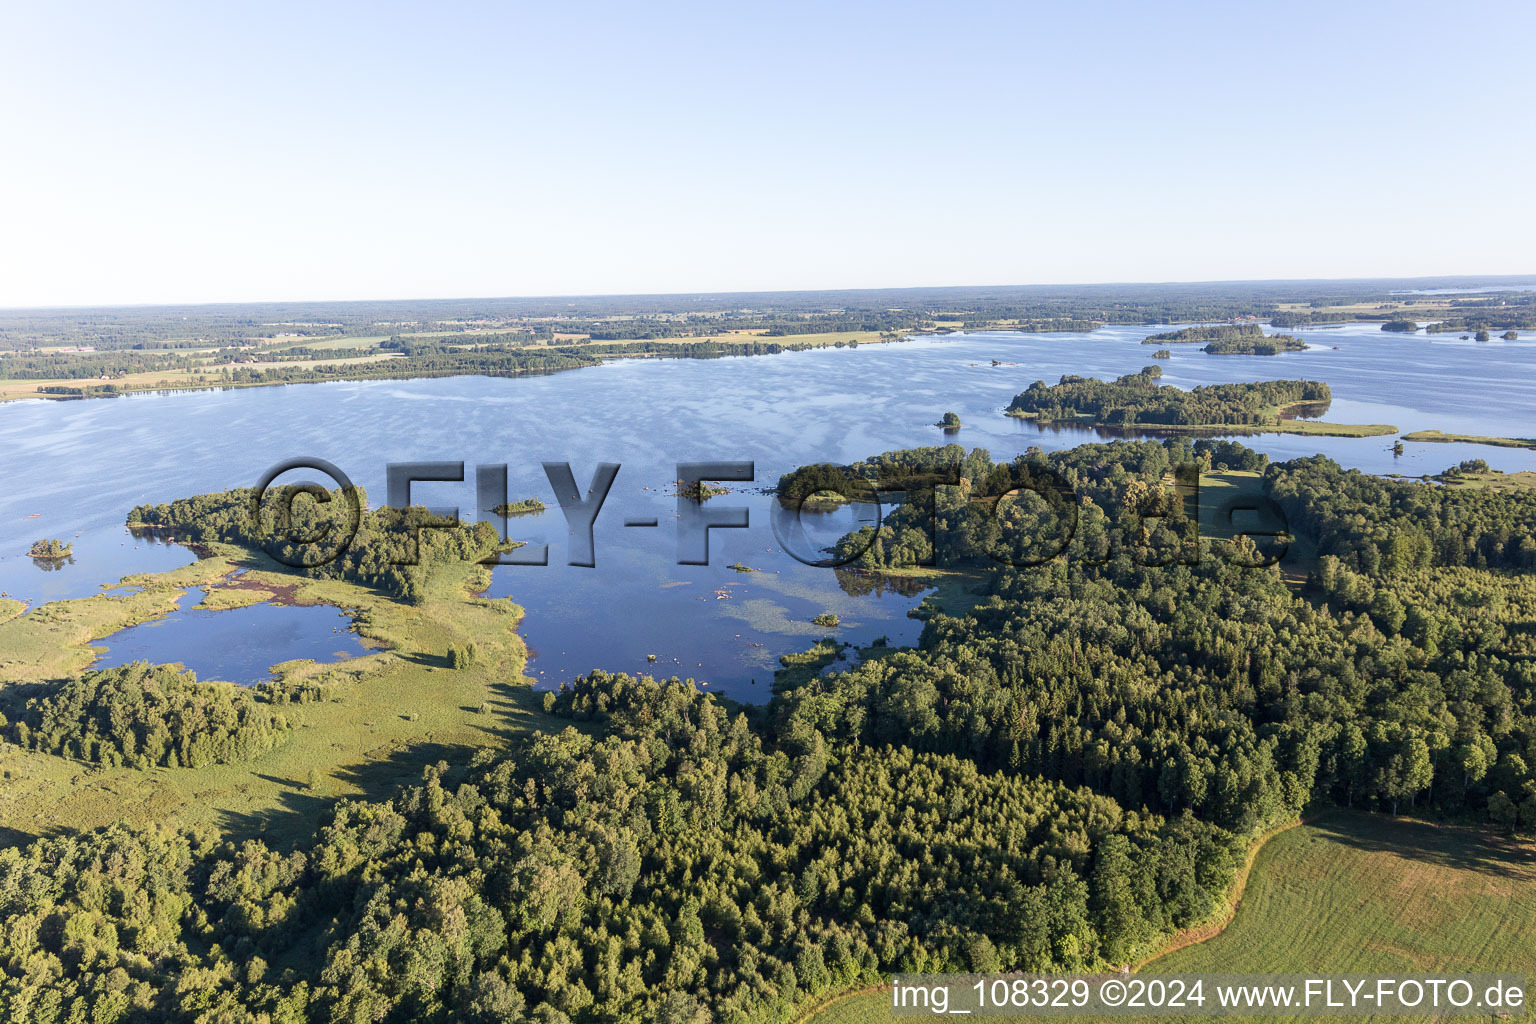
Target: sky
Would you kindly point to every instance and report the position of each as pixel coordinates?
(213, 152)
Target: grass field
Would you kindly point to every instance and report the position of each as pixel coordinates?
(1493, 480)
(387, 714)
(1353, 893)
(1440, 436)
(1315, 428)
(1421, 309)
(205, 376)
(1219, 488)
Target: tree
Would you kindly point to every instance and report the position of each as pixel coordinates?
(1502, 810)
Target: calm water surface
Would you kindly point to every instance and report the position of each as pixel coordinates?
(238, 645)
(78, 467)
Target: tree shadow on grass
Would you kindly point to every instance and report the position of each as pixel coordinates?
(300, 811)
(514, 711)
(1462, 847)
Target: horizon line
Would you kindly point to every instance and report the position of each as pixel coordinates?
(1492, 279)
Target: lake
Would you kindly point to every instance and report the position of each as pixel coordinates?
(237, 645)
(78, 467)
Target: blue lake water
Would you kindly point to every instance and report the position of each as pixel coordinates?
(238, 645)
(80, 466)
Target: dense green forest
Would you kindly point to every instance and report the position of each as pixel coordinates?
(1373, 525)
(678, 865)
(1403, 634)
(1205, 333)
(386, 553)
(144, 715)
(1054, 777)
(1138, 398)
(1263, 345)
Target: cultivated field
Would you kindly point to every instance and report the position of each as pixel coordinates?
(1353, 893)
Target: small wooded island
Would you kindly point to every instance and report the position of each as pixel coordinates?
(1228, 340)
(51, 550)
(1136, 399)
(1206, 333)
(1261, 345)
(698, 490)
(949, 421)
(527, 506)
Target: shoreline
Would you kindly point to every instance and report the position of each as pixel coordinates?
(1440, 437)
(345, 377)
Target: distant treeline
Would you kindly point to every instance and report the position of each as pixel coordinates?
(1511, 321)
(1043, 326)
(85, 365)
(429, 362)
(647, 317)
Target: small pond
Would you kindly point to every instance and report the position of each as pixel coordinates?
(237, 644)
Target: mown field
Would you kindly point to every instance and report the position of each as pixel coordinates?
(1353, 893)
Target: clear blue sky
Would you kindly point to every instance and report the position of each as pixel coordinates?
(221, 152)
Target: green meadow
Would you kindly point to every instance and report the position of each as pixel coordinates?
(1355, 893)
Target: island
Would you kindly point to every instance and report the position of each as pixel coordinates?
(1401, 326)
(1227, 340)
(51, 550)
(1255, 345)
(827, 619)
(698, 490)
(1206, 333)
(949, 421)
(1440, 437)
(527, 506)
(1137, 400)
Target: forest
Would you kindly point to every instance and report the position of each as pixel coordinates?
(1263, 345)
(1206, 333)
(1229, 339)
(1138, 398)
(144, 715)
(1056, 776)
(384, 553)
(1404, 665)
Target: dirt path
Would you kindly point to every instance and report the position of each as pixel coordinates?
(1188, 937)
(1211, 929)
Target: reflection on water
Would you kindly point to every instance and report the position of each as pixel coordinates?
(239, 645)
(53, 564)
(80, 467)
